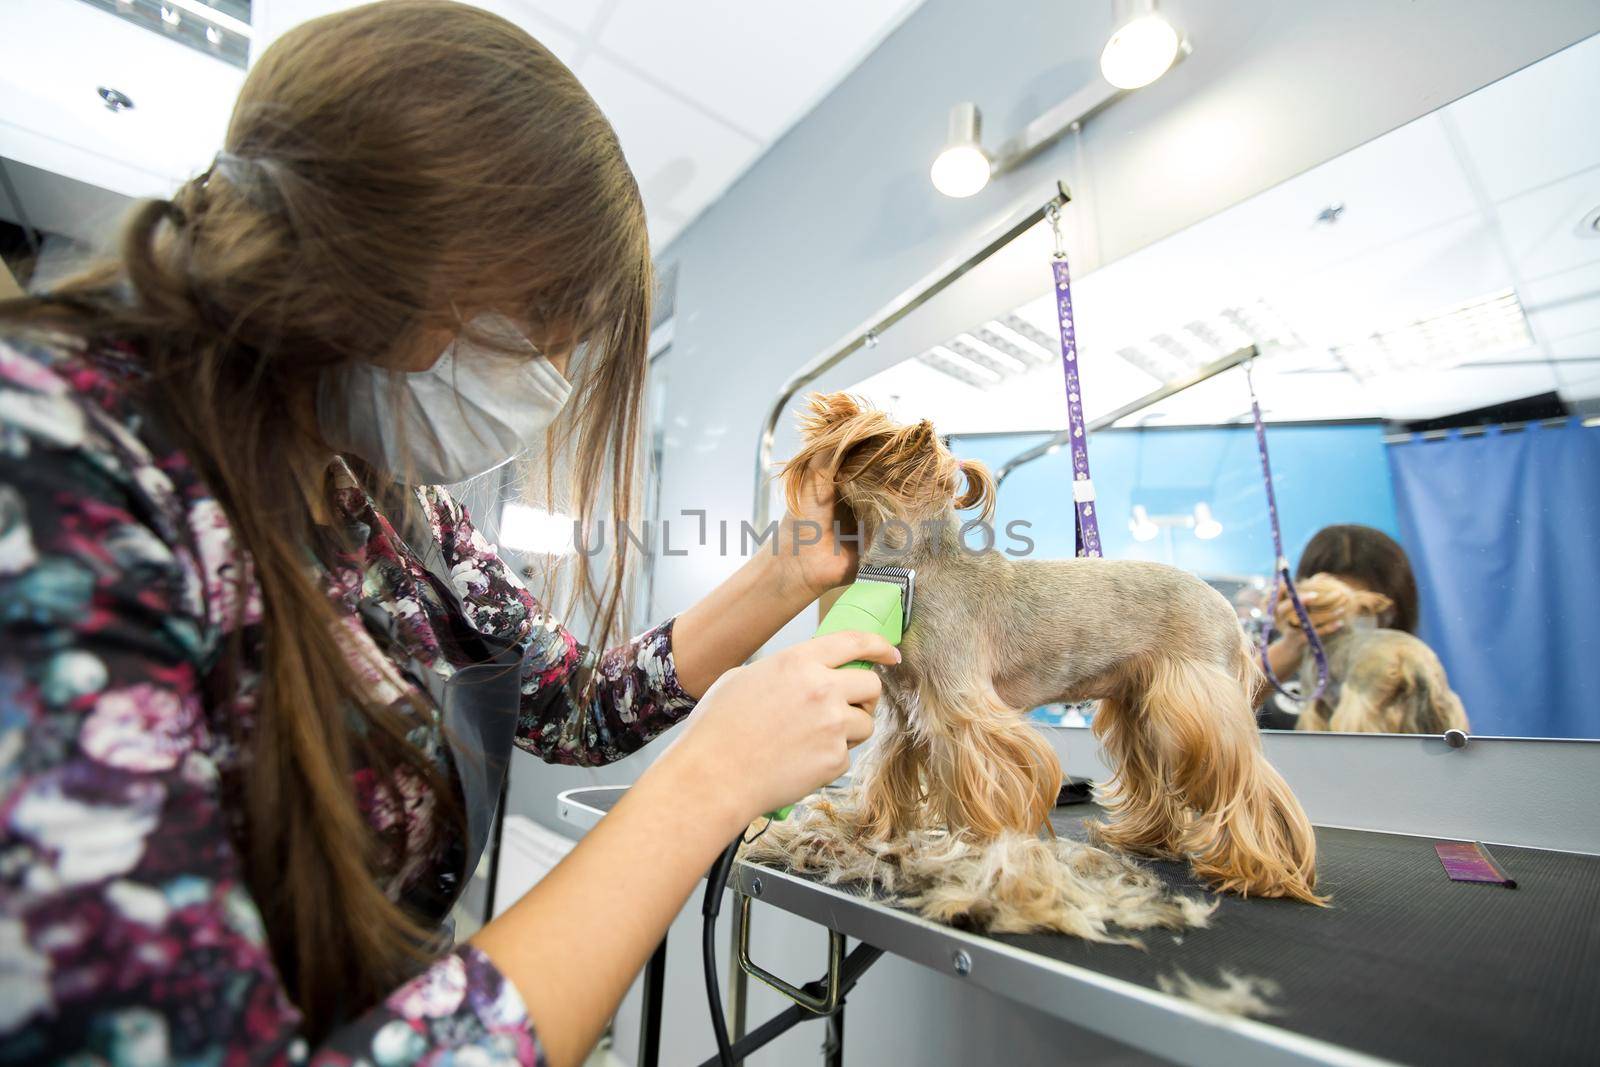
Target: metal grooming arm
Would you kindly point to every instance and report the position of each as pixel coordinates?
(1111, 418)
(866, 336)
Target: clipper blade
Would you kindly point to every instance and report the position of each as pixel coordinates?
(904, 577)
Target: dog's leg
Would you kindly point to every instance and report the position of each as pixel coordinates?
(1359, 711)
(988, 771)
(1146, 815)
(891, 786)
(1249, 834)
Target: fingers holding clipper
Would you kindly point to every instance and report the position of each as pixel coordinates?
(858, 724)
(848, 646)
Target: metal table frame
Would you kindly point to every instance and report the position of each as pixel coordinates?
(1125, 1011)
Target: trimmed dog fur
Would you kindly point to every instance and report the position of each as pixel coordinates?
(991, 637)
(1379, 681)
(1010, 883)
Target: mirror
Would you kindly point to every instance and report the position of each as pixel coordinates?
(1426, 309)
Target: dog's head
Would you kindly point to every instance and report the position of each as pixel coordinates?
(880, 469)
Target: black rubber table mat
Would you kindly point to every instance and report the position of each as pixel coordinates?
(1404, 964)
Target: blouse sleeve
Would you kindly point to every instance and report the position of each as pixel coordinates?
(634, 694)
(127, 934)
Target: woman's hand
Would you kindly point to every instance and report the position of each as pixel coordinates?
(769, 733)
(810, 553)
(1327, 614)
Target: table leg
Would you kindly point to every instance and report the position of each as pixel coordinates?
(738, 987)
(655, 980)
(833, 1040)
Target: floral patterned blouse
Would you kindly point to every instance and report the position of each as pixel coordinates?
(127, 935)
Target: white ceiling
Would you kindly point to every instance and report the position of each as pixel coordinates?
(697, 90)
(1484, 195)
(59, 52)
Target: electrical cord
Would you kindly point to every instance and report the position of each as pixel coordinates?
(716, 882)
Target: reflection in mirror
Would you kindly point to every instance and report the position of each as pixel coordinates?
(1427, 313)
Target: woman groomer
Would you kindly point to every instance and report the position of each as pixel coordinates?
(235, 801)
(1363, 558)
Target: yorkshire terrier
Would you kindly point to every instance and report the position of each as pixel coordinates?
(1379, 681)
(991, 637)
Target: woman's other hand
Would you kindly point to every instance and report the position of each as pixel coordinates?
(1327, 614)
(810, 550)
(769, 733)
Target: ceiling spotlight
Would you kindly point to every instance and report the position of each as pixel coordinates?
(1142, 526)
(170, 15)
(962, 169)
(1206, 525)
(1142, 47)
(213, 35)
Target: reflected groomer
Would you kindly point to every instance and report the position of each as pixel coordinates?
(1361, 596)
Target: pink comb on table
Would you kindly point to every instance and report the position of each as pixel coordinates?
(1469, 861)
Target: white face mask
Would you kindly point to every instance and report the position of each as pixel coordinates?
(470, 412)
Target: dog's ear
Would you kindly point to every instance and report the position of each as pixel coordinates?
(980, 488)
(1374, 604)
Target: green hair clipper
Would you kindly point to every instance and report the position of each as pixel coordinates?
(878, 602)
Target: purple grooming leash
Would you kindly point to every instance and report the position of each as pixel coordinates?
(1086, 528)
(1281, 576)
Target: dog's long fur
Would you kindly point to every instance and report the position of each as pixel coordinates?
(992, 636)
(1380, 681)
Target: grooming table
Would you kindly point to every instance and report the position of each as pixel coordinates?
(1406, 966)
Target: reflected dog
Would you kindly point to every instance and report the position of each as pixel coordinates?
(991, 637)
(1379, 681)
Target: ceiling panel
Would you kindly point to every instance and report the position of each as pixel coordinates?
(1247, 252)
(1516, 139)
(578, 16)
(682, 157)
(59, 52)
(1565, 304)
(1578, 365)
(759, 66)
(1400, 184)
(1542, 227)
(1396, 284)
(1578, 346)
(696, 91)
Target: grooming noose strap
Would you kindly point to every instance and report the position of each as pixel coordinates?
(1086, 527)
(1282, 577)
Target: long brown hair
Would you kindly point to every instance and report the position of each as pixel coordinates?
(1371, 557)
(391, 169)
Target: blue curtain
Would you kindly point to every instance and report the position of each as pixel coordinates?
(1503, 530)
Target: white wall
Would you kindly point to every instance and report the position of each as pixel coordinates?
(839, 217)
